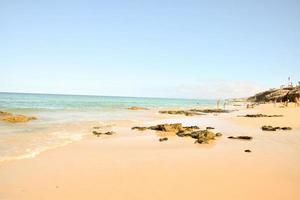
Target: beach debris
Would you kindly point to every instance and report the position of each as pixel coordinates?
(247, 151)
(9, 117)
(193, 112)
(271, 128)
(201, 136)
(241, 137)
(137, 108)
(259, 115)
(163, 139)
(103, 133)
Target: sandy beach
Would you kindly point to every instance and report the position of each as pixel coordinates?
(135, 165)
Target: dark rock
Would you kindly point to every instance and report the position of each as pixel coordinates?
(241, 137)
(209, 128)
(97, 133)
(163, 139)
(286, 128)
(271, 128)
(247, 151)
(260, 115)
(139, 128)
(100, 133)
(109, 133)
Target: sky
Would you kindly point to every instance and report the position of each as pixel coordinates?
(158, 48)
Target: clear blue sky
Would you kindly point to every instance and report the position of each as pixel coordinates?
(193, 49)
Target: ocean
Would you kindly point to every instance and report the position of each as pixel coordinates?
(66, 118)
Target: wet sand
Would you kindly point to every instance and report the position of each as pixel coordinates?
(135, 165)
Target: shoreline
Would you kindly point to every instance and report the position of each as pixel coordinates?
(113, 167)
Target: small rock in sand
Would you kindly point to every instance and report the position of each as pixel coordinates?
(163, 139)
(139, 128)
(241, 137)
(271, 128)
(248, 151)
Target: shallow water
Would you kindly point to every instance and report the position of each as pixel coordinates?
(66, 118)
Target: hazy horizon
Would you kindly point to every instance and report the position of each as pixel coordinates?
(161, 49)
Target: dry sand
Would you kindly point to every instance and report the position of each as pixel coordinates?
(135, 165)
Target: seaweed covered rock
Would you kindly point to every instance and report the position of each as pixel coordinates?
(8, 117)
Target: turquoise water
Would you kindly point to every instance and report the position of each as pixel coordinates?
(62, 119)
(18, 101)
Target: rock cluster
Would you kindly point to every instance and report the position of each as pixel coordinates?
(271, 128)
(260, 115)
(193, 112)
(201, 136)
(8, 117)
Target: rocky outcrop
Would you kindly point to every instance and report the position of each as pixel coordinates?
(282, 94)
(293, 94)
(9, 117)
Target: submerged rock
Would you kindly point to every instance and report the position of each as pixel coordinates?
(137, 108)
(9, 117)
